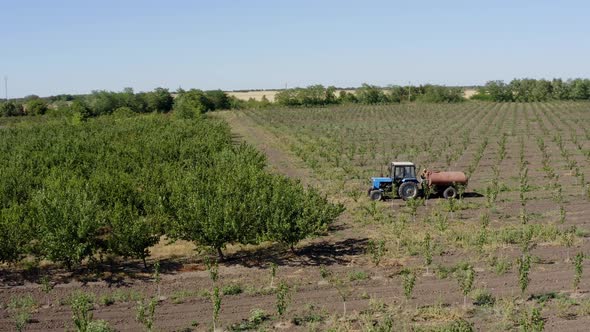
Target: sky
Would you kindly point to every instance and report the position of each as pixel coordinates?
(74, 47)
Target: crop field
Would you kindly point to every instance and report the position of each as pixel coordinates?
(509, 254)
(521, 226)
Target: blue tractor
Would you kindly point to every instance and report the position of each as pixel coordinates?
(402, 180)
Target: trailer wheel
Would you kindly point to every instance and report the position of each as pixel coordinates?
(450, 192)
(408, 190)
(376, 195)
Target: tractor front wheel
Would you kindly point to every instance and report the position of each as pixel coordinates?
(376, 195)
(408, 190)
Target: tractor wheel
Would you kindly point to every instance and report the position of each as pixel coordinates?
(376, 195)
(408, 190)
(450, 192)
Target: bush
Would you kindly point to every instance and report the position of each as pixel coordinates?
(36, 106)
(191, 103)
(370, 94)
(11, 109)
(313, 95)
(159, 100)
(440, 94)
(99, 326)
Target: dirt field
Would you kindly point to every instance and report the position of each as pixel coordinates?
(337, 150)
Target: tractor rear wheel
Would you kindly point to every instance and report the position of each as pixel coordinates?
(376, 195)
(408, 190)
(450, 192)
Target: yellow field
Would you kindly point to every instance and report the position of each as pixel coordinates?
(270, 94)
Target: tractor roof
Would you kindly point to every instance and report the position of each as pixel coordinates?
(402, 163)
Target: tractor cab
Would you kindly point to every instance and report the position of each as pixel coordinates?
(402, 178)
(400, 171)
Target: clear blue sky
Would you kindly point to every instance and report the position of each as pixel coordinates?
(52, 47)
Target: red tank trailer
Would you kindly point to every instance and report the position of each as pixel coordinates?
(446, 181)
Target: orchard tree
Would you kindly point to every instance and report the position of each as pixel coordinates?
(15, 234)
(67, 218)
(219, 204)
(131, 234)
(294, 214)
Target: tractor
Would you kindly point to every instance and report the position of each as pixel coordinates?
(403, 181)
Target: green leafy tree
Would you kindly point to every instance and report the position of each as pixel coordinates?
(205, 204)
(191, 103)
(130, 233)
(11, 109)
(67, 219)
(370, 94)
(294, 214)
(36, 106)
(16, 233)
(159, 100)
(218, 99)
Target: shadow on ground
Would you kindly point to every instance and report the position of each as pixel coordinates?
(117, 274)
(314, 254)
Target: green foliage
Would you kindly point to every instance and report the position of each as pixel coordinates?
(578, 268)
(257, 317)
(532, 321)
(213, 269)
(283, 295)
(81, 304)
(67, 216)
(524, 266)
(190, 104)
(531, 90)
(146, 312)
(440, 94)
(294, 214)
(21, 309)
(408, 283)
(357, 276)
(16, 231)
(483, 297)
(159, 100)
(216, 299)
(99, 326)
(72, 193)
(427, 250)
(376, 250)
(232, 289)
(465, 279)
(370, 94)
(36, 106)
(313, 95)
(11, 109)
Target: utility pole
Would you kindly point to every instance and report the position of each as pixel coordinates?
(409, 91)
(6, 87)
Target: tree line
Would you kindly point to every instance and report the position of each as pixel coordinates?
(532, 90)
(318, 95)
(112, 186)
(102, 102)
(196, 101)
